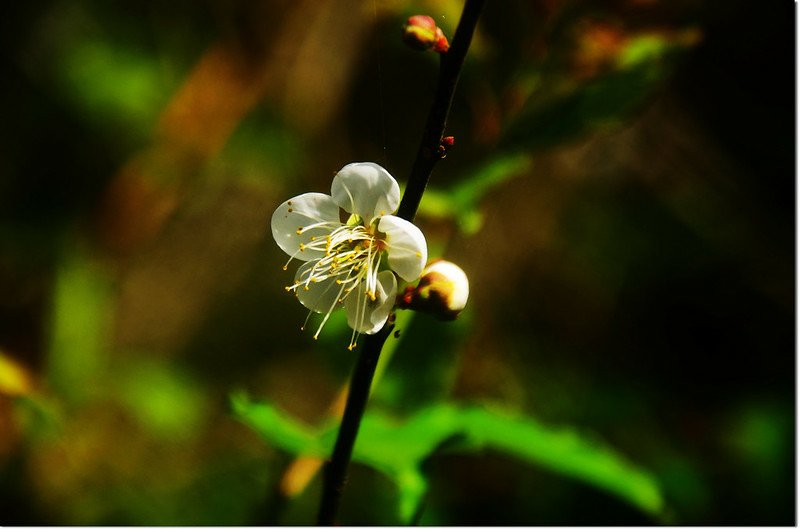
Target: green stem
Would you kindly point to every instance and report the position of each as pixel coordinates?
(427, 156)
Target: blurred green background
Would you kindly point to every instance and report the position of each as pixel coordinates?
(621, 195)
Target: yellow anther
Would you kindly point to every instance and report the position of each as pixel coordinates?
(302, 247)
(299, 231)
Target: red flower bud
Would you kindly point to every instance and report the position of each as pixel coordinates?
(445, 145)
(441, 45)
(420, 32)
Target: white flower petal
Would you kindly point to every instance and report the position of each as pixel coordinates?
(322, 296)
(299, 212)
(405, 245)
(367, 316)
(366, 189)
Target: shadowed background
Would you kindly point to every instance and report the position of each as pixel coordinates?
(620, 194)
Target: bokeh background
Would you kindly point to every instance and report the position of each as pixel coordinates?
(621, 195)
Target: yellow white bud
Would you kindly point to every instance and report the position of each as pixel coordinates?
(443, 290)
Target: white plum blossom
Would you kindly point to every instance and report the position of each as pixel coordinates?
(350, 262)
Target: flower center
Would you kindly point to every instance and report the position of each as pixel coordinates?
(352, 255)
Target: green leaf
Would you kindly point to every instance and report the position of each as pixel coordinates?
(163, 398)
(645, 48)
(398, 448)
(470, 191)
(461, 201)
(79, 324)
(562, 117)
(566, 452)
(564, 109)
(114, 86)
(276, 427)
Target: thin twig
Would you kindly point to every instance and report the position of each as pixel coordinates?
(428, 152)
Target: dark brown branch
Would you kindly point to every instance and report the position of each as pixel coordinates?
(336, 469)
(450, 68)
